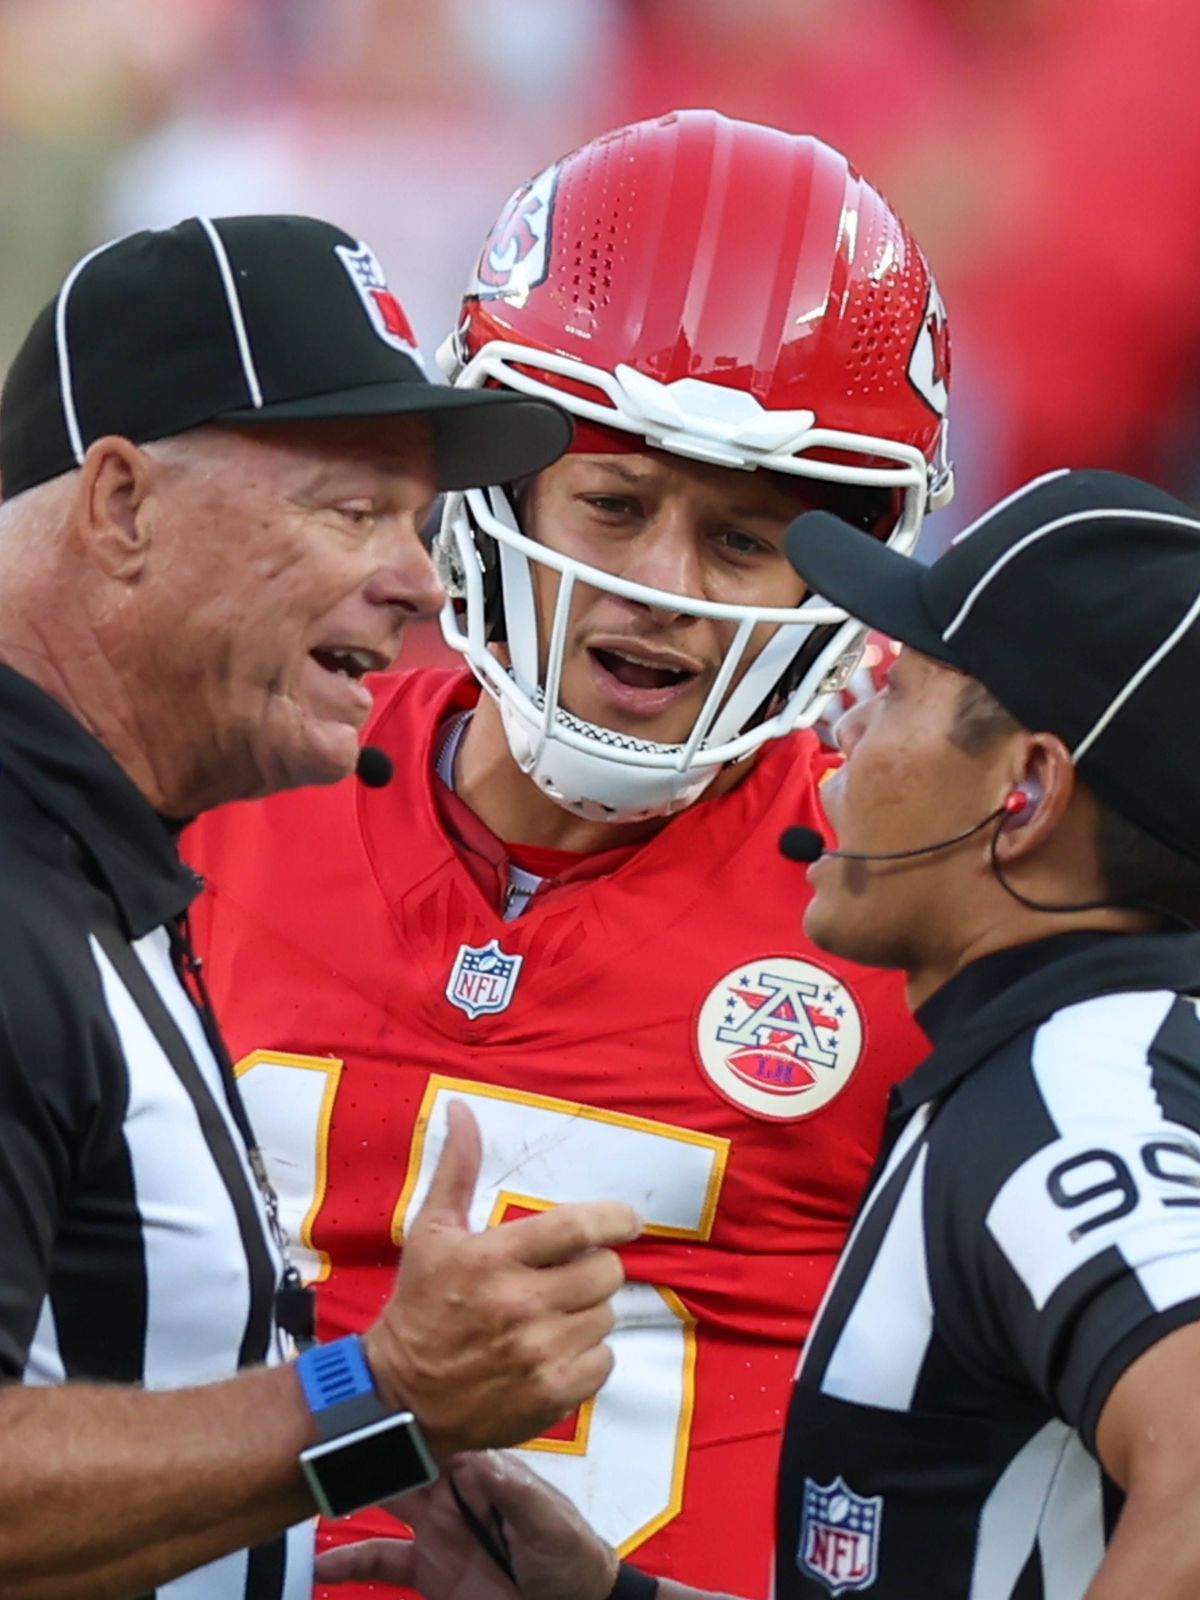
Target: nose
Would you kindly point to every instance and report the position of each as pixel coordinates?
(847, 730)
(406, 578)
(666, 556)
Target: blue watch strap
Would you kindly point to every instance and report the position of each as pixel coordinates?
(339, 1387)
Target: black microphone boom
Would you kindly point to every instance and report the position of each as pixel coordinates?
(806, 844)
(374, 767)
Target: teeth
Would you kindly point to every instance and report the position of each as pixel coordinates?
(363, 660)
(350, 662)
(646, 661)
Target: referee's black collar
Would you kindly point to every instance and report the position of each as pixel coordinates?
(73, 779)
(1002, 994)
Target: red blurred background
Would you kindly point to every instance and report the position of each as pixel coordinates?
(1045, 152)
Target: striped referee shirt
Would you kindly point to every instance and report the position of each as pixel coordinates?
(133, 1244)
(1032, 1227)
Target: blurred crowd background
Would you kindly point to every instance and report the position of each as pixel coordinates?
(1045, 152)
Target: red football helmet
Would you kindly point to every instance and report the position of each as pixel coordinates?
(733, 294)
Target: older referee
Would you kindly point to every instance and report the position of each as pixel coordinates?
(217, 446)
(1000, 1399)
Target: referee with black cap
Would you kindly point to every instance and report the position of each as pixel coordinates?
(217, 447)
(1000, 1396)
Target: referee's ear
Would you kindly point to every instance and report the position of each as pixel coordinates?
(111, 506)
(1050, 784)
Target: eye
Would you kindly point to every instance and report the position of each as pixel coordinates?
(359, 513)
(741, 543)
(613, 505)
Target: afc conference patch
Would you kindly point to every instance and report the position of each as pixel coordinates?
(780, 1037)
(483, 978)
(839, 1536)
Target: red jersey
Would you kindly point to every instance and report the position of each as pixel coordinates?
(663, 1033)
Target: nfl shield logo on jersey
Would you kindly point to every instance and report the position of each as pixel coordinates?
(483, 979)
(839, 1536)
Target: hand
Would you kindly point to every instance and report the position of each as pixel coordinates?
(491, 1337)
(554, 1554)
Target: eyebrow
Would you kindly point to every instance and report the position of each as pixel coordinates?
(375, 467)
(639, 480)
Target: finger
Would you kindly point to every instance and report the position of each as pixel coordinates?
(372, 1560)
(571, 1367)
(537, 1517)
(487, 1530)
(502, 1480)
(585, 1281)
(453, 1185)
(565, 1231)
(580, 1331)
(584, 1375)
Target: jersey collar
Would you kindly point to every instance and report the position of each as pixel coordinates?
(1002, 994)
(73, 779)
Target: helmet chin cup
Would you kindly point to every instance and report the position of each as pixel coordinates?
(590, 786)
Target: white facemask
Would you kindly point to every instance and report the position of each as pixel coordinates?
(485, 562)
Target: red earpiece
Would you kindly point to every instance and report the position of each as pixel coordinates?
(1022, 803)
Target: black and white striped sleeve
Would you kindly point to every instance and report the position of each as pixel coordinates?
(1091, 1239)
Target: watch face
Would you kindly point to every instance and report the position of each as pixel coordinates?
(372, 1464)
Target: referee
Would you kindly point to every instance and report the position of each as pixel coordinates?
(217, 446)
(1000, 1398)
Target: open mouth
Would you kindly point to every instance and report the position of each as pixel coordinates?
(636, 673)
(347, 661)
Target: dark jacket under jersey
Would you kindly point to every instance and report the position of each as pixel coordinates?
(133, 1246)
(1032, 1227)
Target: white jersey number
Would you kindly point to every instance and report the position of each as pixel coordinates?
(621, 1459)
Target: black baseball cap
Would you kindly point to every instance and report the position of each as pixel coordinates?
(1076, 603)
(244, 319)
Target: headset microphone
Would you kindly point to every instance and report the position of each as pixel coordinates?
(806, 844)
(374, 767)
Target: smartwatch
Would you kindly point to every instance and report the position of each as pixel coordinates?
(365, 1453)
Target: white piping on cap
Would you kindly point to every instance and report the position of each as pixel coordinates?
(1096, 513)
(1002, 505)
(65, 386)
(1142, 673)
(235, 312)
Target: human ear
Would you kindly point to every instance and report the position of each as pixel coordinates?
(112, 520)
(1045, 788)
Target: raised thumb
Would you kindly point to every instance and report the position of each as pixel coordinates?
(454, 1178)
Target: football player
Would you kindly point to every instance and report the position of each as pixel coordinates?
(567, 907)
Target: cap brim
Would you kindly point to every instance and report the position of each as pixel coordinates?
(481, 436)
(875, 585)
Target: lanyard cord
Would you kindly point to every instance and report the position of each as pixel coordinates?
(293, 1302)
